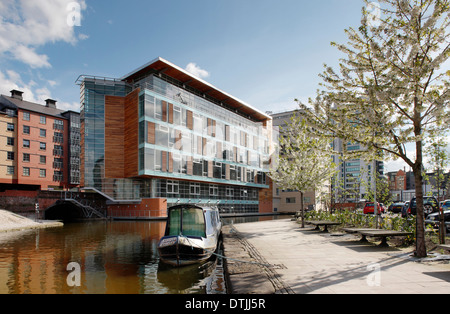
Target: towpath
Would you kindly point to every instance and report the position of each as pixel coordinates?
(13, 222)
(281, 257)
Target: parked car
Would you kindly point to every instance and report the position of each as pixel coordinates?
(369, 207)
(445, 205)
(430, 205)
(397, 207)
(434, 219)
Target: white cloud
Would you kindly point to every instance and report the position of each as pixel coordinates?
(83, 36)
(196, 70)
(26, 25)
(12, 80)
(30, 57)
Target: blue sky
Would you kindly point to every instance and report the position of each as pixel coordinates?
(265, 52)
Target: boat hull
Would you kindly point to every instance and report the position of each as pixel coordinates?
(181, 251)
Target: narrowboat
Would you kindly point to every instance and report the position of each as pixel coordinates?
(191, 236)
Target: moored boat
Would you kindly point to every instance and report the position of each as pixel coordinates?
(191, 236)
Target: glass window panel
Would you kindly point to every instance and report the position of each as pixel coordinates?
(197, 167)
(176, 115)
(174, 222)
(150, 106)
(158, 109)
(162, 136)
(176, 163)
(198, 124)
(193, 222)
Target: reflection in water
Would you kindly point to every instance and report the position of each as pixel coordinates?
(115, 257)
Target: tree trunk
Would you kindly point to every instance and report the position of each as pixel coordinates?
(302, 210)
(421, 250)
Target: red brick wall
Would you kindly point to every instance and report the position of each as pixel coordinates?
(148, 208)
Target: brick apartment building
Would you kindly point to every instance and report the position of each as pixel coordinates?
(39, 145)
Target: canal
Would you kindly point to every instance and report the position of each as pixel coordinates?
(103, 257)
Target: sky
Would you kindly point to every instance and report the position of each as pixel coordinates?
(264, 52)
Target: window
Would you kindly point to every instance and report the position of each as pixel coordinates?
(217, 170)
(10, 112)
(197, 167)
(26, 157)
(195, 188)
(42, 119)
(290, 200)
(10, 141)
(230, 192)
(26, 172)
(172, 187)
(42, 146)
(58, 125)
(176, 115)
(158, 160)
(42, 173)
(149, 105)
(10, 170)
(10, 127)
(213, 190)
(198, 123)
(26, 116)
(58, 163)
(58, 137)
(42, 159)
(58, 150)
(162, 136)
(26, 129)
(42, 133)
(176, 159)
(10, 156)
(159, 110)
(193, 222)
(26, 143)
(233, 175)
(58, 176)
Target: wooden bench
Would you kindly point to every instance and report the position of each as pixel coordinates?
(358, 230)
(383, 234)
(324, 223)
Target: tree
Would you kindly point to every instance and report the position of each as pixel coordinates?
(390, 90)
(305, 162)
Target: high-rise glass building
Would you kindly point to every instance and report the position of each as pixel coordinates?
(160, 136)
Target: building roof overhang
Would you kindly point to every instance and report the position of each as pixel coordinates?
(161, 65)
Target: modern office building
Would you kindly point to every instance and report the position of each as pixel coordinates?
(289, 201)
(159, 136)
(355, 176)
(39, 145)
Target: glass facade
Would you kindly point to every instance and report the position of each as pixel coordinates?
(199, 140)
(191, 147)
